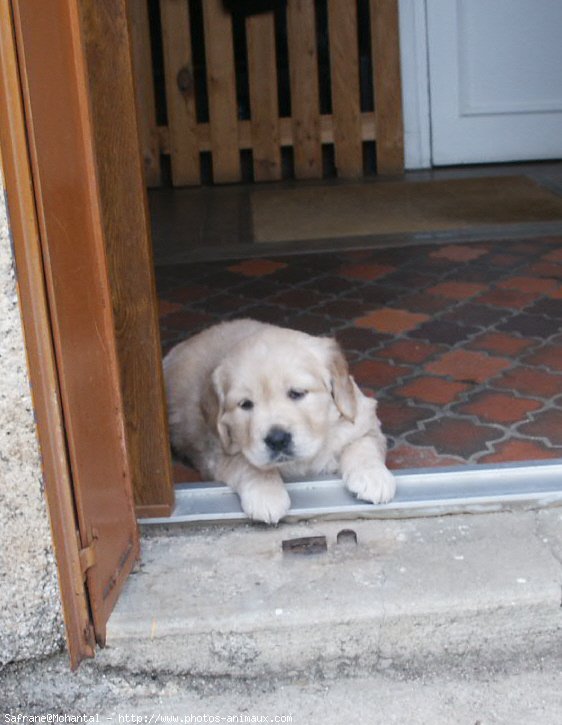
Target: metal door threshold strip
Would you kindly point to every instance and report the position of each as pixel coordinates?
(420, 492)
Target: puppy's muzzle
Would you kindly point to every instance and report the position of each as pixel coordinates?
(279, 443)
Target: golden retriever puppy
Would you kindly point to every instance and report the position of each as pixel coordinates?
(249, 403)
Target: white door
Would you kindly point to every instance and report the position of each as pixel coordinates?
(495, 80)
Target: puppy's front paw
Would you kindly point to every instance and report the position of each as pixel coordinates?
(376, 485)
(266, 501)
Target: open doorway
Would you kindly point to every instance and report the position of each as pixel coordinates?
(440, 285)
(90, 305)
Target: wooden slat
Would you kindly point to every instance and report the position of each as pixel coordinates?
(139, 31)
(366, 122)
(180, 92)
(305, 104)
(286, 132)
(344, 67)
(264, 106)
(221, 87)
(387, 84)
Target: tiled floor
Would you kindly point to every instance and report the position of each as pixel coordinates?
(461, 343)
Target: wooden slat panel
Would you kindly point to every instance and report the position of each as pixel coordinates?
(264, 106)
(306, 130)
(388, 88)
(221, 86)
(180, 92)
(286, 132)
(139, 31)
(344, 66)
(305, 104)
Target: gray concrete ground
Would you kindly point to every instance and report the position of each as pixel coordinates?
(514, 692)
(451, 619)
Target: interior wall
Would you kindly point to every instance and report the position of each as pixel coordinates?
(30, 612)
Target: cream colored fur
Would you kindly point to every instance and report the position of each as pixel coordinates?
(237, 387)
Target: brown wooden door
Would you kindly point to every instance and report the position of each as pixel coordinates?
(43, 372)
(74, 64)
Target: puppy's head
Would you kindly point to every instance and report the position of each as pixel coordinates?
(277, 396)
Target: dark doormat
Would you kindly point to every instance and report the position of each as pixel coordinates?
(397, 207)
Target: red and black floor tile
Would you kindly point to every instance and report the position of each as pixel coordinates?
(461, 344)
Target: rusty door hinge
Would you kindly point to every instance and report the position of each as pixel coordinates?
(88, 556)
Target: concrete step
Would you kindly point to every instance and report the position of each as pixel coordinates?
(228, 602)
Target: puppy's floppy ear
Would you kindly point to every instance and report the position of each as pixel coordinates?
(212, 407)
(343, 389)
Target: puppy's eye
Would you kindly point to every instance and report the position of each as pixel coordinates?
(295, 394)
(246, 404)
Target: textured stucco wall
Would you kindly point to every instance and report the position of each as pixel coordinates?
(30, 617)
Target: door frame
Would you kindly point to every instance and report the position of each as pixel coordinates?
(93, 439)
(415, 84)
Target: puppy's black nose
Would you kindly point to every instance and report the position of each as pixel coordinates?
(278, 440)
